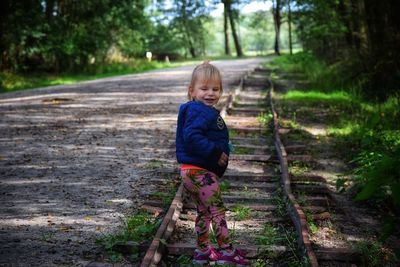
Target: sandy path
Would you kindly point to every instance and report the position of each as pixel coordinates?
(71, 155)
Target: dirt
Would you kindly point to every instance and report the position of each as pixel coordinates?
(73, 159)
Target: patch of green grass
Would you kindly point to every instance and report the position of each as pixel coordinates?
(137, 227)
(243, 150)
(270, 236)
(374, 253)
(298, 168)
(184, 260)
(233, 133)
(265, 118)
(344, 130)
(279, 202)
(224, 186)
(314, 96)
(47, 237)
(241, 212)
(273, 235)
(165, 197)
(302, 201)
(154, 164)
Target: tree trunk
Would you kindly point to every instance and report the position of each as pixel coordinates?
(227, 51)
(290, 28)
(49, 9)
(227, 4)
(276, 6)
(192, 50)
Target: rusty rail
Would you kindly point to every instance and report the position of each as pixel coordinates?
(294, 209)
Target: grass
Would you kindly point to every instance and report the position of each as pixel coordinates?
(165, 197)
(374, 253)
(154, 164)
(224, 186)
(269, 236)
(275, 235)
(362, 132)
(241, 212)
(312, 97)
(137, 227)
(265, 118)
(279, 202)
(298, 168)
(243, 150)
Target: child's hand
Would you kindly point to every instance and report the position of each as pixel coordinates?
(223, 160)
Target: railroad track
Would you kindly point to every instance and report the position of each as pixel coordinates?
(264, 217)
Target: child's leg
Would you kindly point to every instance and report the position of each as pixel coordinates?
(205, 191)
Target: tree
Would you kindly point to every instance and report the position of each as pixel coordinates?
(64, 35)
(259, 31)
(230, 14)
(226, 36)
(289, 20)
(362, 33)
(276, 11)
(188, 17)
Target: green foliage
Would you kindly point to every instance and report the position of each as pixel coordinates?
(373, 253)
(241, 212)
(55, 36)
(224, 186)
(137, 227)
(279, 202)
(154, 164)
(338, 97)
(165, 197)
(298, 168)
(265, 118)
(378, 172)
(184, 260)
(301, 199)
(243, 150)
(369, 131)
(270, 236)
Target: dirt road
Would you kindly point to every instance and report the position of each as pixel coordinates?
(71, 159)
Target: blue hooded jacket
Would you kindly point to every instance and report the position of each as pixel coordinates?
(201, 137)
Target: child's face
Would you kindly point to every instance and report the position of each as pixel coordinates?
(207, 92)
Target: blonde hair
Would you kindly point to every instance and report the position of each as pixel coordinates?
(206, 72)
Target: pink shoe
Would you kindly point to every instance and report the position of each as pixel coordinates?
(203, 257)
(234, 257)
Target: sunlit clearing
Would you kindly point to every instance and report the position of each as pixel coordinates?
(338, 96)
(345, 130)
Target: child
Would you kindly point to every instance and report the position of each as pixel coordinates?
(202, 147)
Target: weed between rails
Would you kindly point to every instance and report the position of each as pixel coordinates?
(241, 212)
(298, 168)
(243, 150)
(301, 199)
(265, 118)
(137, 228)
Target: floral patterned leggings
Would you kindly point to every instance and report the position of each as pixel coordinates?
(204, 189)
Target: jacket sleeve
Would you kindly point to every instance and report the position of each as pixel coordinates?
(195, 138)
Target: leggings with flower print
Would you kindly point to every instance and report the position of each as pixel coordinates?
(204, 189)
